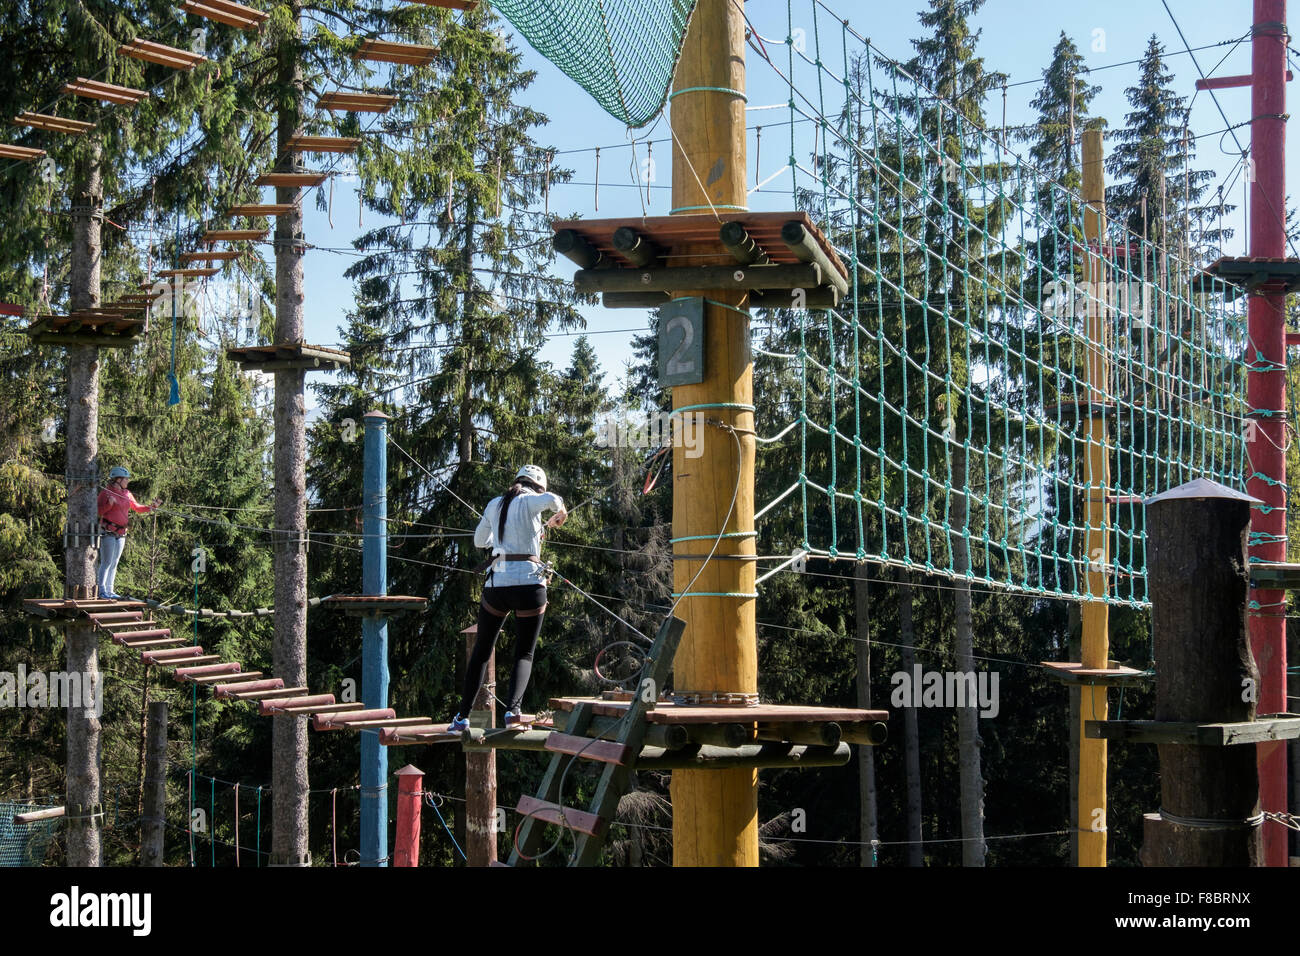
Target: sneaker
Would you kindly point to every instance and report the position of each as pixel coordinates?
(515, 720)
(458, 725)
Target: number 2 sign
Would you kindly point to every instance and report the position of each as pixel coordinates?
(681, 342)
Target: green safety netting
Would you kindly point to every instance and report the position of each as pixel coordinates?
(622, 52)
(24, 844)
(938, 419)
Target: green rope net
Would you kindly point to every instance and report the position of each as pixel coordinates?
(24, 844)
(622, 52)
(942, 413)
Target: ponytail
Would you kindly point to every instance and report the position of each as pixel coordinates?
(511, 494)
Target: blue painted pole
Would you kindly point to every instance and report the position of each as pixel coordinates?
(374, 640)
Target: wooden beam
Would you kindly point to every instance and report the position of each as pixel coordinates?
(680, 279)
(1281, 727)
(226, 255)
(234, 235)
(750, 757)
(52, 124)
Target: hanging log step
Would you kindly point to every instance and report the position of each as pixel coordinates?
(133, 638)
(287, 355)
(224, 11)
(405, 54)
(180, 653)
(547, 812)
(161, 54)
(280, 693)
(292, 180)
(262, 209)
(157, 643)
(305, 710)
(357, 102)
(381, 724)
(52, 124)
(118, 617)
(190, 661)
(323, 144)
(603, 751)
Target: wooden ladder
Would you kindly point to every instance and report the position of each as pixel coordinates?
(618, 753)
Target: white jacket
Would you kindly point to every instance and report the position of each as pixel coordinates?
(523, 536)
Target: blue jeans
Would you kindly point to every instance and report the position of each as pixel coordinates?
(110, 553)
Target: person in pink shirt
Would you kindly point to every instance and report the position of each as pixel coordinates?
(115, 507)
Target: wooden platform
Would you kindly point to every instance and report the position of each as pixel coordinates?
(289, 355)
(105, 329)
(376, 605)
(1279, 576)
(59, 609)
(1073, 672)
(667, 713)
(1257, 273)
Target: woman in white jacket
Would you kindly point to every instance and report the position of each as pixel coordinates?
(512, 527)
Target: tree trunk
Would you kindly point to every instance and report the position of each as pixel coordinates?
(968, 730)
(1075, 624)
(289, 734)
(915, 854)
(481, 779)
(83, 783)
(154, 787)
(867, 824)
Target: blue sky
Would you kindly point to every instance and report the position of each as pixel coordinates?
(1017, 39)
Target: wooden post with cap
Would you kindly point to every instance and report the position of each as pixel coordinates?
(715, 813)
(1091, 821)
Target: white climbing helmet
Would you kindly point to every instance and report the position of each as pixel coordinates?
(533, 474)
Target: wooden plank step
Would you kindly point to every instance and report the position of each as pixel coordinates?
(382, 724)
(258, 696)
(180, 653)
(270, 705)
(100, 618)
(22, 153)
(189, 661)
(262, 209)
(548, 812)
(234, 235)
(132, 638)
(244, 686)
(303, 711)
(221, 669)
(323, 144)
(53, 124)
(118, 625)
(157, 643)
(224, 11)
(224, 678)
(357, 102)
(325, 721)
(163, 55)
(404, 54)
(605, 751)
(292, 180)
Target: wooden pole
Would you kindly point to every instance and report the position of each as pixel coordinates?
(374, 639)
(410, 783)
(715, 814)
(1199, 584)
(153, 819)
(481, 776)
(1091, 820)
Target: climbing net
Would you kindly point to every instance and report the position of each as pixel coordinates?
(24, 844)
(943, 412)
(622, 52)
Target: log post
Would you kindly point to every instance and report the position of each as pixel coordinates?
(1199, 583)
(481, 775)
(715, 814)
(154, 818)
(410, 787)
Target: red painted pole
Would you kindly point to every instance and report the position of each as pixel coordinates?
(1266, 397)
(410, 793)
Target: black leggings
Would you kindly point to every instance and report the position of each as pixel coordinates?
(528, 601)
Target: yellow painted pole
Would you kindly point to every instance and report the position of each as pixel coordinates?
(715, 813)
(1096, 613)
